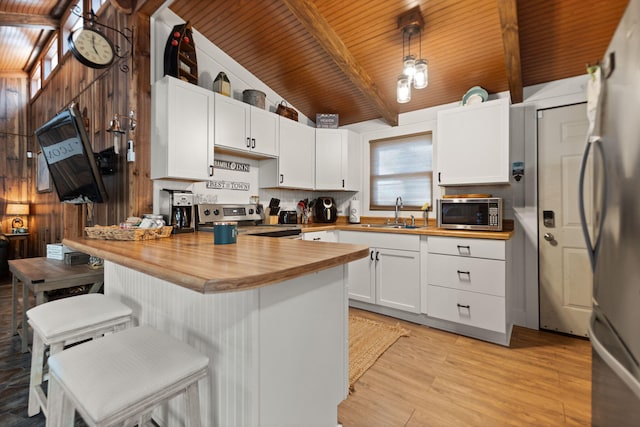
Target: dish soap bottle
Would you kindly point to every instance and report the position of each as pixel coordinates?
(222, 85)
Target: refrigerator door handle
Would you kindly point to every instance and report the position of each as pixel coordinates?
(592, 248)
(627, 377)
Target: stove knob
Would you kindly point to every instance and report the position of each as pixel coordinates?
(251, 211)
(258, 209)
(216, 212)
(207, 212)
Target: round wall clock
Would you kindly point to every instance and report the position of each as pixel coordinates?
(91, 47)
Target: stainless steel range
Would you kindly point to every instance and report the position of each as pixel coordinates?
(249, 218)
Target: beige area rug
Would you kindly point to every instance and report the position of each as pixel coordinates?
(368, 340)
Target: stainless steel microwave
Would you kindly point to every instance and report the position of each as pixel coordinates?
(470, 214)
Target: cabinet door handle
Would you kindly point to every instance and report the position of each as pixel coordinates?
(465, 248)
(371, 255)
(377, 256)
(468, 273)
(438, 176)
(281, 178)
(468, 307)
(248, 142)
(343, 183)
(210, 170)
(316, 238)
(253, 143)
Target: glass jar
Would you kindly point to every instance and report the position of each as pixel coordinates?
(152, 221)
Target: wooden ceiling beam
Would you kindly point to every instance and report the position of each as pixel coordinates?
(307, 13)
(511, 41)
(44, 22)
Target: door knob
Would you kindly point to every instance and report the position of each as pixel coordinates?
(550, 238)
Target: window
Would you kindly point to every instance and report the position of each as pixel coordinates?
(50, 59)
(402, 167)
(73, 22)
(36, 80)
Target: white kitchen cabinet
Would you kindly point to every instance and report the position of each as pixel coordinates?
(467, 282)
(295, 166)
(245, 129)
(473, 144)
(182, 130)
(390, 276)
(321, 236)
(338, 160)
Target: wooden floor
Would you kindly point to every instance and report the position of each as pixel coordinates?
(430, 378)
(435, 378)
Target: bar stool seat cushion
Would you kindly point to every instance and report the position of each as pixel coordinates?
(69, 314)
(107, 375)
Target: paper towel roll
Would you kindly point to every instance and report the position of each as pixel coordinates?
(354, 211)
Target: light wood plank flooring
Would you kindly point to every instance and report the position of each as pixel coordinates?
(435, 378)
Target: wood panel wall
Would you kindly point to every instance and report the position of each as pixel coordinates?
(15, 173)
(102, 93)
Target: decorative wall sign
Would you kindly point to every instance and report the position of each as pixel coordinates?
(228, 185)
(232, 166)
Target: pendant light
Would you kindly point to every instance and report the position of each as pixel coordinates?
(414, 73)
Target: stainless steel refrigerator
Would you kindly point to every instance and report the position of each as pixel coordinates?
(613, 238)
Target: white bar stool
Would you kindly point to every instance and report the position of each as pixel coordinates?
(66, 321)
(122, 377)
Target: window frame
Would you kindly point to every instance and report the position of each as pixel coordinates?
(428, 174)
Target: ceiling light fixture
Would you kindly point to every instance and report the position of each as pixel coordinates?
(414, 72)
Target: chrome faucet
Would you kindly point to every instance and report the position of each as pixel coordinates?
(398, 206)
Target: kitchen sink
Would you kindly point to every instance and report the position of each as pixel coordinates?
(398, 226)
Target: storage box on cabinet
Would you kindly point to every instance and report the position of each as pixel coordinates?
(182, 130)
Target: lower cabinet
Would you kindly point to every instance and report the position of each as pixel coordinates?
(467, 282)
(390, 276)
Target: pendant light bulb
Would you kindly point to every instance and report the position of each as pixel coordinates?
(421, 76)
(409, 68)
(403, 89)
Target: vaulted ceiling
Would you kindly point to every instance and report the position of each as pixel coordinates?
(331, 56)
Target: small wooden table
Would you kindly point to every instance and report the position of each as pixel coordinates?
(45, 274)
(20, 239)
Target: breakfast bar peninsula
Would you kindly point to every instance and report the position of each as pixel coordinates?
(271, 314)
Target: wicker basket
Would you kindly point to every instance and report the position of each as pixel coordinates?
(114, 232)
(286, 111)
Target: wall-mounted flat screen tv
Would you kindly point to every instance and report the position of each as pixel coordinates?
(70, 159)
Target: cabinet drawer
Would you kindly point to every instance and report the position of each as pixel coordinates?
(469, 274)
(402, 242)
(468, 308)
(478, 248)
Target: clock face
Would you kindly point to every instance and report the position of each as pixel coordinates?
(91, 48)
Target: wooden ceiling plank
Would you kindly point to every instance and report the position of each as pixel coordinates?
(308, 14)
(511, 41)
(44, 22)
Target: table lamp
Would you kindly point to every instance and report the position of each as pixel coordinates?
(17, 209)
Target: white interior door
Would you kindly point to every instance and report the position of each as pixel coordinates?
(565, 278)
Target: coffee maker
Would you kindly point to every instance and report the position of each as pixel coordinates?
(181, 211)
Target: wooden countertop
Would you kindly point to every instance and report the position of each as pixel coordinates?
(193, 261)
(430, 230)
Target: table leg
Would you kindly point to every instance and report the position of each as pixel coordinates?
(25, 325)
(95, 287)
(14, 304)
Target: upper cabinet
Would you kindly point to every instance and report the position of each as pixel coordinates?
(182, 145)
(338, 160)
(245, 129)
(473, 144)
(295, 166)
